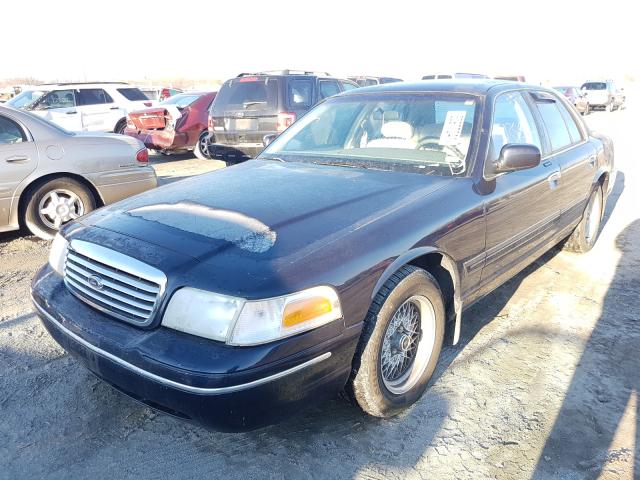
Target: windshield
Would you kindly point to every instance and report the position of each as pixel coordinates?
(595, 86)
(182, 100)
(26, 98)
(426, 133)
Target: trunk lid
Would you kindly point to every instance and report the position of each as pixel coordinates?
(149, 119)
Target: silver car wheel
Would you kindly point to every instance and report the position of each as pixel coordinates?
(59, 206)
(408, 343)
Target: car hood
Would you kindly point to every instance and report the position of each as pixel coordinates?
(263, 213)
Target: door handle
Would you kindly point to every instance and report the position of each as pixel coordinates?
(72, 113)
(17, 159)
(114, 108)
(592, 160)
(553, 179)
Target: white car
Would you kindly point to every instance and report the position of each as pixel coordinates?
(83, 107)
(49, 176)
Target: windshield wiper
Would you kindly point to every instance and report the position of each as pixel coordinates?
(334, 163)
(247, 104)
(276, 159)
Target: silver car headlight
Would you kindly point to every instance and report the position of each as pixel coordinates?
(58, 253)
(240, 322)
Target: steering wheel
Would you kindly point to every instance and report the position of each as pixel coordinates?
(424, 141)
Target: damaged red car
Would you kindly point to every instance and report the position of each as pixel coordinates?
(177, 124)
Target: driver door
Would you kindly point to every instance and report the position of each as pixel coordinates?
(522, 213)
(60, 107)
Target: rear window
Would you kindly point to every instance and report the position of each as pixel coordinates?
(132, 94)
(181, 100)
(595, 86)
(247, 93)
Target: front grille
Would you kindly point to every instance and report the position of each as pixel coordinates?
(112, 282)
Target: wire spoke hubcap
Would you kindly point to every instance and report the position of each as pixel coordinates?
(408, 343)
(59, 206)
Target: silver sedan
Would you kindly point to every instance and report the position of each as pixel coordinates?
(49, 176)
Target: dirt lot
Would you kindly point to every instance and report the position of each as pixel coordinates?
(544, 383)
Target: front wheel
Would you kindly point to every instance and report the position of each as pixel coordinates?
(201, 149)
(54, 203)
(586, 232)
(400, 344)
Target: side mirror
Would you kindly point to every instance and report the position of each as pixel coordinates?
(267, 139)
(515, 156)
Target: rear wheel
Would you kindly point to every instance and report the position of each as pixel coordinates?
(586, 233)
(201, 149)
(400, 344)
(51, 204)
(120, 126)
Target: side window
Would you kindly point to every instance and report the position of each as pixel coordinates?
(57, 99)
(299, 93)
(554, 124)
(92, 96)
(512, 123)
(10, 132)
(347, 86)
(574, 130)
(328, 88)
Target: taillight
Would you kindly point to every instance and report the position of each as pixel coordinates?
(285, 119)
(143, 156)
(211, 123)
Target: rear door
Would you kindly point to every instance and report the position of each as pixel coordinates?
(94, 105)
(522, 212)
(569, 148)
(18, 158)
(245, 110)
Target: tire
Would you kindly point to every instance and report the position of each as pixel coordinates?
(381, 390)
(120, 126)
(201, 149)
(585, 235)
(74, 198)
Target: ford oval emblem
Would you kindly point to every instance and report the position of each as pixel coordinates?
(95, 282)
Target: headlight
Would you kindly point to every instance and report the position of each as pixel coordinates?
(240, 322)
(58, 253)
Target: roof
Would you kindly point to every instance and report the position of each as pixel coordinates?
(472, 86)
(83, 84)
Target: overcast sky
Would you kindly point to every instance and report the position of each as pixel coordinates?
(111, 40)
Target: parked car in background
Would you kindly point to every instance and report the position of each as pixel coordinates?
(338, 258)
(253, 105)
(511, 78)
(364, 81)
(49, 176)
(600, 94)
(159, 93)
(576, 97)
(89, 107)
(179, 123)
(620, 98)
(445, 76)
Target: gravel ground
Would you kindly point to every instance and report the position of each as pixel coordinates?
(544, 383)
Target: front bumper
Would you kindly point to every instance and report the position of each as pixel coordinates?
(164, 370)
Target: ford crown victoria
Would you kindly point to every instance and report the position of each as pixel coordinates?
(341, 257)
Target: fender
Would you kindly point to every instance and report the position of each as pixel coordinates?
(447, 263)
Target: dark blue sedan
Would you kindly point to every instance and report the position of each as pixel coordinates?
(339, 258)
